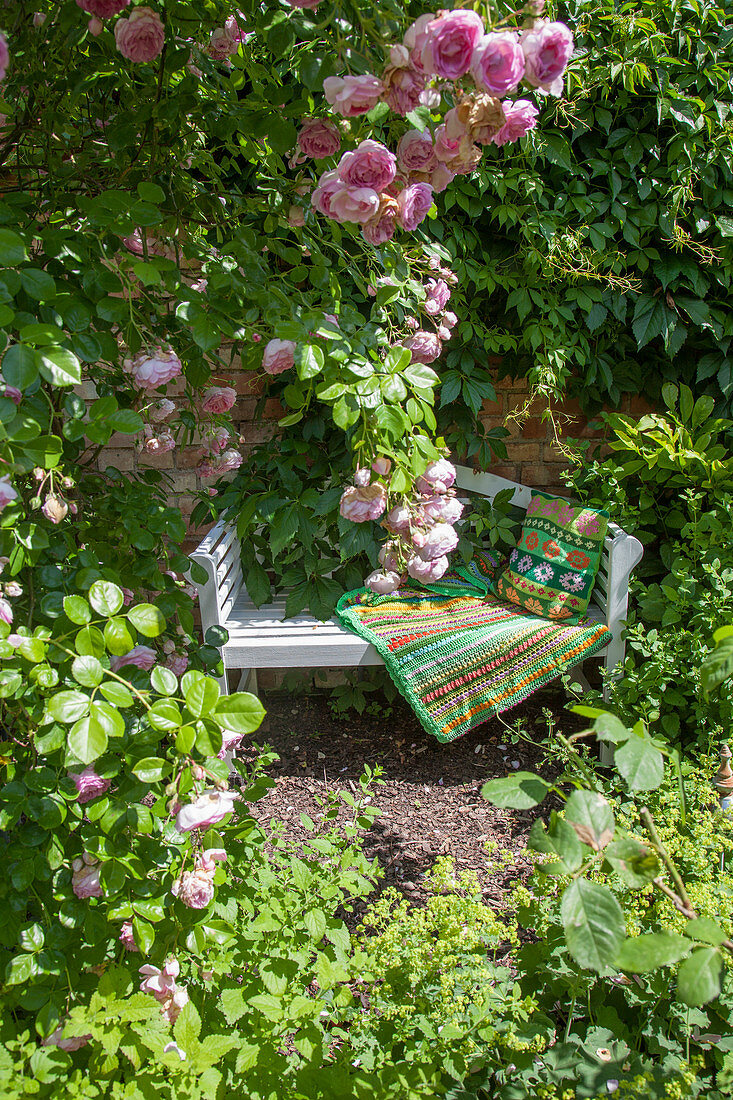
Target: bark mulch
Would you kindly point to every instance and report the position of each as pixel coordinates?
(429, 799)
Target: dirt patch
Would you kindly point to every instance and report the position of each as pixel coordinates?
(429, 797)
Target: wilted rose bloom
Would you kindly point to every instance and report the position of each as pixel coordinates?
(229, 742)
(318, 138)
(362, 477)
(11, 392)
(521, 117)
(141, 656)
(221, 45)
(159, 981)
(547, 50)
(56, 1038)
(196, 888)
(85, 878)
(354, 204)
(177, 663)
(438, 477)
(352, 95)
(369, 165)
(450, 320)
(381, 228)
(160, 410)
(439, 508)
(446, 147)
(6, 612)
(475, 118)
(309, 5)
(13, 589)
(279, 356)
(218, 399)
(439, 541)
(103, 9)
(382, 466)
(468, 159)
(388, 557)
(416, 39)
(89, 784)
(440, 177)
(141, 36)
(425, 346)
(7, 492)
(151, 370)
(158, 444)
(414, 202)
(296, 216)
(329, 184)
(404, 85)
(127, 938)
(127, 596)
(438, 293)
(415, 152)
(427, 571)
(360, 504)
(209, 808)
(383, 583)
(217, 440)
(236, 28)
(451, 40)
(54, 508)
(497, 64)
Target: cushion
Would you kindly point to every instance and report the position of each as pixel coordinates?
(552, 570)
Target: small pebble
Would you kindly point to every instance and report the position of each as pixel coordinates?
(515, 763)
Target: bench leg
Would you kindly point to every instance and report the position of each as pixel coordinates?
(248, 680)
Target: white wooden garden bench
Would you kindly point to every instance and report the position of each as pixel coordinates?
(260, 637)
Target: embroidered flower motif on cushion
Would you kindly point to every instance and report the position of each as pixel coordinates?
(589, 523)
(533, 605)
(572, 581)
(535, 505)
(523, 565)
(577, 559)
(543, 572)
(565, 515)
(531, 541)
(551, 507)
(551, 549)
(514, 555)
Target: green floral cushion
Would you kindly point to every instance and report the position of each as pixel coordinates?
(553, 567)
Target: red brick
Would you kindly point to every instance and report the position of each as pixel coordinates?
(123, 460)
(639, 405)
(509, 472)
(121, 440)
(157, 462)
(188, 457)
(492, 408)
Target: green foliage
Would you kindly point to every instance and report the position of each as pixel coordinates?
(599, 260)
(668, 481)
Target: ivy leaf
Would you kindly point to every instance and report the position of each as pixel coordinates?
(594, 925)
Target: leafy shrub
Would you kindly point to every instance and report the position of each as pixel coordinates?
(668, 481)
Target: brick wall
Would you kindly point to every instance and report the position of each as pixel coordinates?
(533, 456)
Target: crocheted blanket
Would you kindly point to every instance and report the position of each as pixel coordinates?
(458, 654)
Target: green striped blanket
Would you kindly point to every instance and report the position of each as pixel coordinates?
(458, 654)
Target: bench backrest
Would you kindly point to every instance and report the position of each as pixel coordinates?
(219, 555)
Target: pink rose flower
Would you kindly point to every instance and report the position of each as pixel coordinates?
(103, 9)
(217, 440)
(412, 324)
(196, 888)
(415, 152)
(151, 370)
(141, 36)
(318, 138)
(450, 320)
(440, 177)
(159, 981)
(362, 477)
(427, 571)
(382, 466)
(497, 64)
(127, 938)
(354, 204)
(414, 202)
(398, 520)
(547, 50)
(160, 410)
(329, 184)
(7, 492)
(279, 356)
(383, 583)
(158, 444)
(440, 540)
(404, 87)
(218, 399)
(6, 612)
(352, 95)
(446, 147)
(85, 878)
(369, 165)
(416, 39)
(54, 508)
(95, 26)
(89, 784)
(360, 504)
(226, 462)
(207, 809)
(438, 293)
(425, 346)
(521, 117)
(451, 40)
(296, 216)
(141, 656)
(388, 557)
(236, 28)
(11, 392)
(56, 1039)
(229, 743)
(381, 228)
(177, 663)
(442, 509)
(438, 477)
(310, 5)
